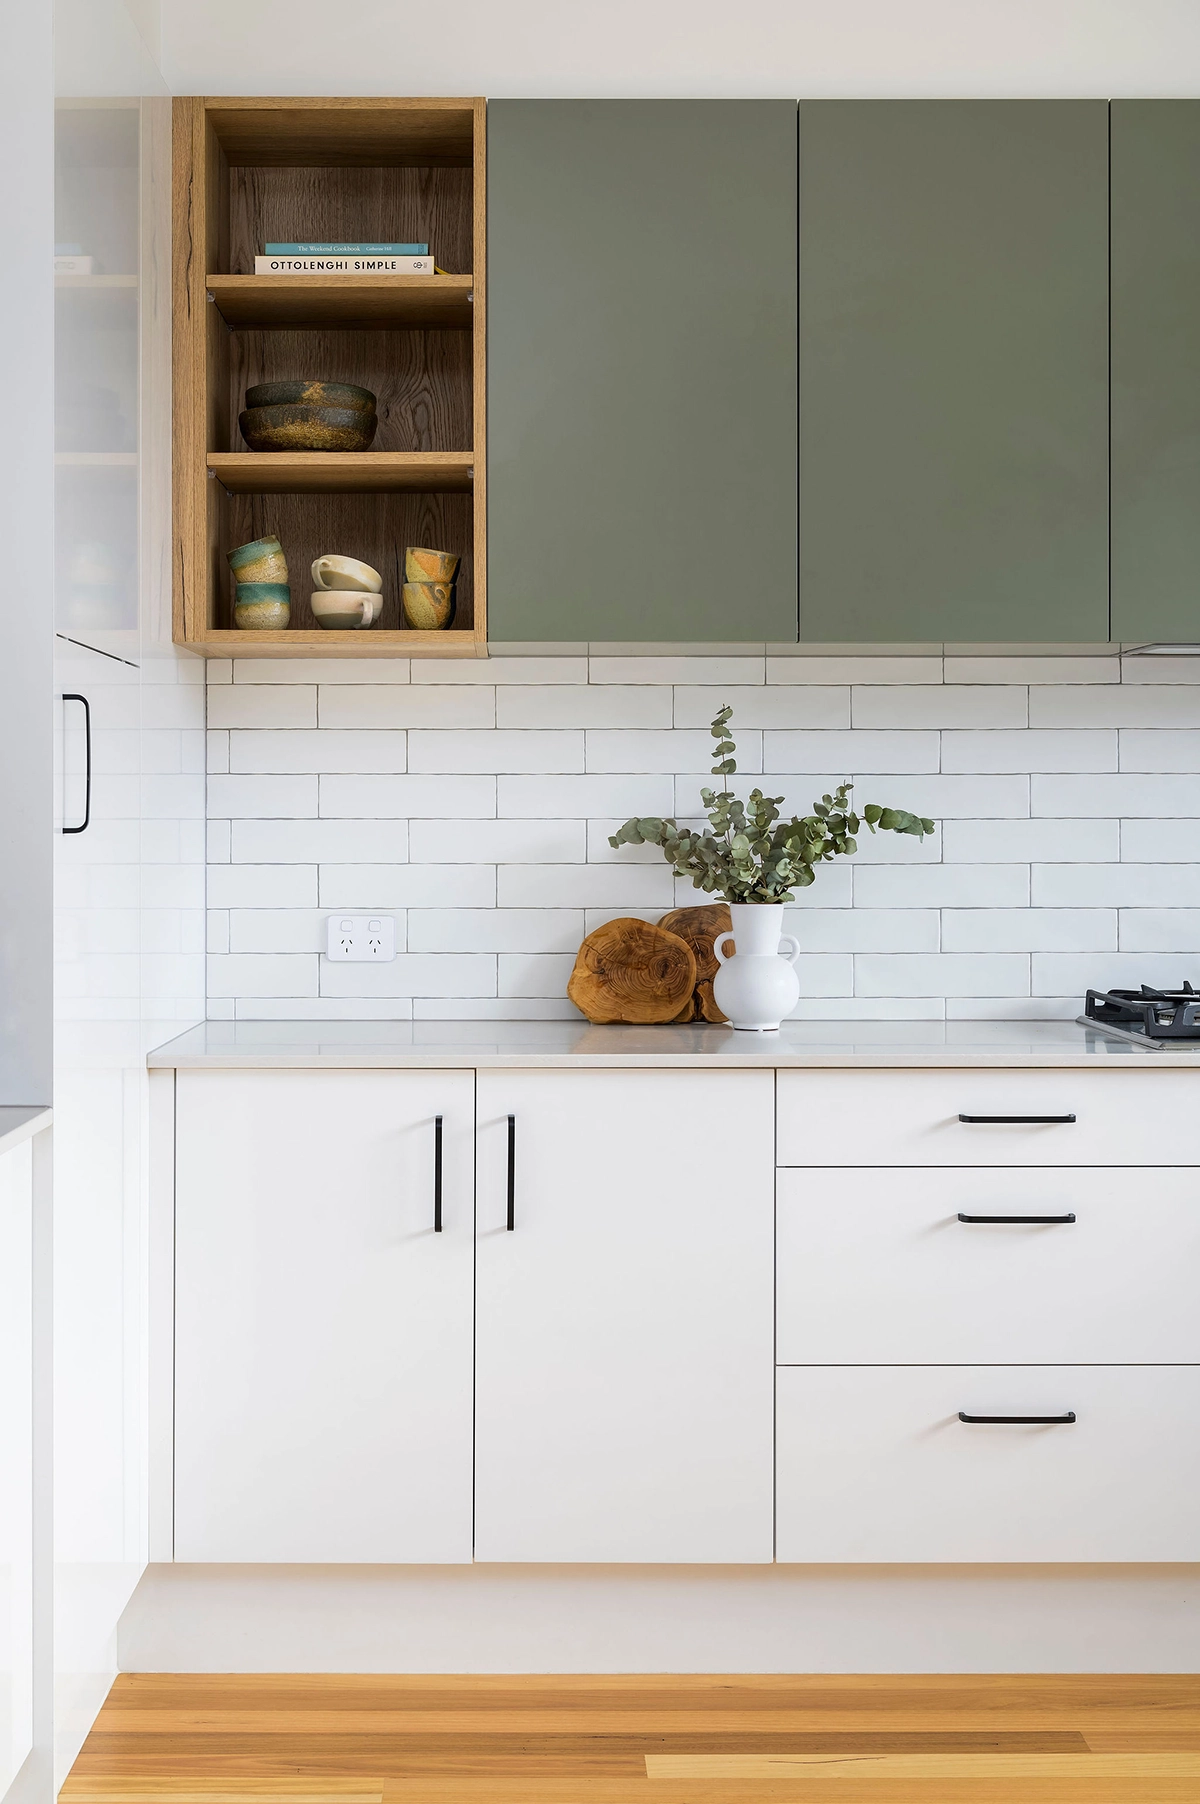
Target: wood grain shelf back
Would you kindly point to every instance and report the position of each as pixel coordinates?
(352, 133)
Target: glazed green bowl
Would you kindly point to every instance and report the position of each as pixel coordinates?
(261, 561)
(305, 428)
(262, 607)
(310, 394)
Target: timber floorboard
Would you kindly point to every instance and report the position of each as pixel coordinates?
(283, 1738)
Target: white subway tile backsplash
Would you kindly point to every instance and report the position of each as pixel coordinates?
(409, 797)
(801, 705)
(556, 798)
(1029, 929)
(524, 930)
(262, 797)
(365, 887)
(941, 886)
(967, 705)
(263, 705)
(1029, 749)
(681, 669)
(508, 751)
(534, 974)
(519, 705)
(1157, 671)
(665, 752)
(1032, 669)
(474, 801)
(498, 842)
(585, 886)
(1115, 885)
(376, 753)
(1116, 705)
(1117, 795)
(406, 705)
(262, 886)
(311, 842)
(845, 670)
(1161, 930)
(851, 751)
(941, 974)
(1157, 748)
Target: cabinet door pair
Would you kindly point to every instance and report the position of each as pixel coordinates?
(354, 1383)
(939, 281)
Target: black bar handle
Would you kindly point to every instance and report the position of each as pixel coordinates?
(512, 1173)
(437, 1174)
(1035, 1421)
(1048, 1221)
(1023, 1120)
(87, 742)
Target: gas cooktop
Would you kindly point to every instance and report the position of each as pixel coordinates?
(1147, 1016)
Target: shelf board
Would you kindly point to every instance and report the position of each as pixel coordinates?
(343, 472)
(95, 460)
(443, 302)
(316, 643)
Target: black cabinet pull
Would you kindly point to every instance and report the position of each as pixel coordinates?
(87, 745)
(512, 1173)
(1035, 1421)
(437, 1174)
(1048, 1221)
(1021, 1120)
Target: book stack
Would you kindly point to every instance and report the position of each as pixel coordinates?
(332, 259)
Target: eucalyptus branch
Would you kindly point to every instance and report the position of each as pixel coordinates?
(747, 853)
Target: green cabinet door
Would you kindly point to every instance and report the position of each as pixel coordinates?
(1156, 369)
(953, 370)
(642, 370)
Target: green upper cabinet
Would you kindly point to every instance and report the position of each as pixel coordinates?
(642, 370)
(954, 370)
(1156, 369)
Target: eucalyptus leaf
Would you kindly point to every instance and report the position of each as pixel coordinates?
(747, 853)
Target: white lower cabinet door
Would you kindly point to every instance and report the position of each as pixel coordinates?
(624, 1316)
(876, 1465)
(323, 1325)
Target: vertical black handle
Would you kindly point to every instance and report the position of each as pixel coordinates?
(437, 1174)
(512, 1172)
(87, 742)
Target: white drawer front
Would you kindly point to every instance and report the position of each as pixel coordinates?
(873, 1464)
(875, 1268)
(1143, 1117)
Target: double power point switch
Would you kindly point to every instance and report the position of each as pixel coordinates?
(361, 939)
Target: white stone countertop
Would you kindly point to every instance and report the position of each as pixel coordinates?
(434, 1045)
(20, 1121)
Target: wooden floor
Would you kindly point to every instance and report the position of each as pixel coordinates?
(330, 1739)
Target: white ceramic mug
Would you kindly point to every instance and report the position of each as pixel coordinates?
(335, 572)
(345, 609)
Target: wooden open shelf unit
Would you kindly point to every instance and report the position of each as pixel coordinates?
(251, 170)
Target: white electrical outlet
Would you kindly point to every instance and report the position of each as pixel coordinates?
(361, 939)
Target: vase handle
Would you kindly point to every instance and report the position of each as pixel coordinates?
(786, 939)
(720, 956)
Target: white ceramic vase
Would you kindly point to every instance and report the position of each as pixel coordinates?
(757, 987)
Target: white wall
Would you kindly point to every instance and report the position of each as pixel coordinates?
(684, 47)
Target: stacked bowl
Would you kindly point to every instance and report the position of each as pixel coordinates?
(429, 595)
(347, 594)
(262, 597)
(308, 416)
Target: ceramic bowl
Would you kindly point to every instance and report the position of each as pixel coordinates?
(428, 606)
(344, 610)
(310, 394)
(422, 566)
(262, 607)
(334, 572)
(305, 428)
(261, 561)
